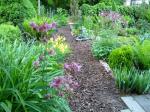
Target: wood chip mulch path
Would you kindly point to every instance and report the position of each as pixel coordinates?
(97, 91)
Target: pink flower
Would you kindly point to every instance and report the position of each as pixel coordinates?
(64, 83)
(57, 82)
(67, 67)
(73, 67)
(76, 67)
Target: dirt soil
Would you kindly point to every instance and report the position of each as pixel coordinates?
(97, 91)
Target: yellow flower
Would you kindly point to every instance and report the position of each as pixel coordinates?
(60, 44)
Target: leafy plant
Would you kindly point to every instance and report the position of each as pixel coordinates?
(102, 48)
(121, 57)
(132, 81)
(16, 11)
(61, 17)
(142, 55)
(9, 33)
(25, 71)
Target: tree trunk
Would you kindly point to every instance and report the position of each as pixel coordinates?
(39, 7)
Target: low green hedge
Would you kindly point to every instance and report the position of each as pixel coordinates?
(9, 32)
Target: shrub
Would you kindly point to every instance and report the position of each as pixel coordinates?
(143, 26)
(9, 32)
(132, 31)
(61, 17)
(102, 48)
(121, 57)
(16, 11)
(39, 27)
(131, 40)
(25, 73)
(94, 10)
(142, 55)
(132, 81)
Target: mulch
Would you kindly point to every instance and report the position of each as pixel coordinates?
(97, 91)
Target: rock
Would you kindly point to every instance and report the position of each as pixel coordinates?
(106, 67)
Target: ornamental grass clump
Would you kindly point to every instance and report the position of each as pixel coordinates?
(132, 80)
(25, 73)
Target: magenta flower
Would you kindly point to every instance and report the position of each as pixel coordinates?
(64, 83)
(57, 82)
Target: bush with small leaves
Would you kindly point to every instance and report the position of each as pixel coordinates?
(16, 11)
(121, 57)
(9, 32)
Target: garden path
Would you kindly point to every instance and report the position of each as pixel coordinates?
(97, 91)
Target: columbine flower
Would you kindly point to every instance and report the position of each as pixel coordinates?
(64, 83)
(67, 67)
(76, 67)
(57, 82)
(73, 67)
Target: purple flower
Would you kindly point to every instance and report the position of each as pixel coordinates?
(76, 67)
(36, 64)
(57, 82)
(64, 83)
(67, 67)
(33, 25)
(53, 25)
(73, 67)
